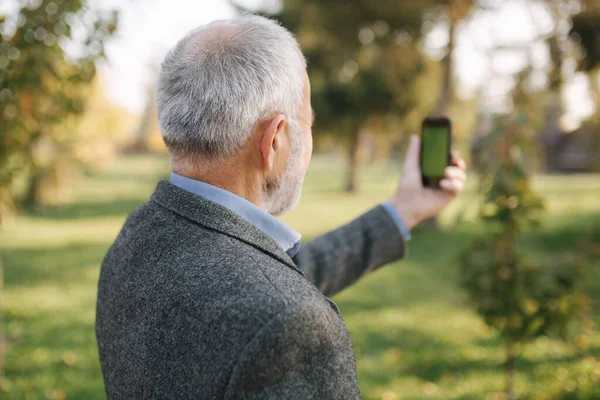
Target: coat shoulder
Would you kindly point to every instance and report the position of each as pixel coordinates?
(173, 294)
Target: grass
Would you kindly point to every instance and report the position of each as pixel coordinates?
(414, 335)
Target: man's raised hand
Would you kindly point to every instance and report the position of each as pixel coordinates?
(416, 203)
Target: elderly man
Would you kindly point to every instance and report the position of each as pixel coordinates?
(205, 294)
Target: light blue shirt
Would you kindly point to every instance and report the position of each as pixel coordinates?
(287, 238)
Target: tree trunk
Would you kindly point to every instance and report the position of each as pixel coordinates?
(352, 171)
(445, 98)
(594, 78)
(446, 90)
(144, 129)
(553, 107)
(33, 195)
(510, 370)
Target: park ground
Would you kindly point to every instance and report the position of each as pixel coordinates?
(414, 334)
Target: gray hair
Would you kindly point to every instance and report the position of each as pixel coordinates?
(223, 78)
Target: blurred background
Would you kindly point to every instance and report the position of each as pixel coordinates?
(497, 299)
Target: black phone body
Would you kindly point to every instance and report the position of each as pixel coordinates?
(436, 144)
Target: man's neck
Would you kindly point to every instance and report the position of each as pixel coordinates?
(231, 177)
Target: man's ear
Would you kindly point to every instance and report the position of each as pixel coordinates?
(271, 140)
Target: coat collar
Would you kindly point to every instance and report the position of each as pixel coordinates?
(216, 217)
(285, 236)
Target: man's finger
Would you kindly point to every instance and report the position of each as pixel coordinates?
(455, 173)
(411, 163)
(451, 186)
(458, 161)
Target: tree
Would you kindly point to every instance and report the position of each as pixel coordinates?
(452, 11)
(449, 12)
(41, 85)
(585, 35)
(363, 93)
(519, 298)
(585, 32)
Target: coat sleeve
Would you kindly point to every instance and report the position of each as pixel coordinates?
(304, 352)
(338, 258)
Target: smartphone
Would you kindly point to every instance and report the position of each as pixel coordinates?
(436, 142)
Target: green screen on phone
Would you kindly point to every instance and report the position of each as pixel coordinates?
(434, 156)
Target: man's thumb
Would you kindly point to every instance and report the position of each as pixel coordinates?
(412, 154)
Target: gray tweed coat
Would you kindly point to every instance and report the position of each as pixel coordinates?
(196, 303)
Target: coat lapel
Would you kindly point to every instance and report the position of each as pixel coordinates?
(216, 217)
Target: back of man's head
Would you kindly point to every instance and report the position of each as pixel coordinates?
(223, 78)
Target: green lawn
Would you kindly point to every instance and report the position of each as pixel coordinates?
(414, 335)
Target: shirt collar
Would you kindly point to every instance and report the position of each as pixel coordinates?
(286, 237)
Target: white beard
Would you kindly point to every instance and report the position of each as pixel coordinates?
(283, 195)
(286, 195)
